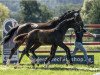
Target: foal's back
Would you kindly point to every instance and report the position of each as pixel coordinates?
(50, 36)
(43, 36)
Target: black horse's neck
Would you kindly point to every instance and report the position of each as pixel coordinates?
(65, 25)
(49, 25)
(54, 23)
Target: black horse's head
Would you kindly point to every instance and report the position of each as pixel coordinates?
(77, 18)
(66, 15)
(60, 19)
(70, 14)
(74, 24)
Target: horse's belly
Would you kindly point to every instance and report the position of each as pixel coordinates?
(46, 40)
(49, 39)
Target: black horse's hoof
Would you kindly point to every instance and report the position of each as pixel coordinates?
(71, 63)
(38, 64)
(66, 64)
(33, 64)
(61, 59)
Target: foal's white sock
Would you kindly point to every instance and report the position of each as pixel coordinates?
(47, 65)
(8, 62)
(38, 60)
(32, 60)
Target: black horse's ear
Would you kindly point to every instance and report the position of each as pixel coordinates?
(69, 11)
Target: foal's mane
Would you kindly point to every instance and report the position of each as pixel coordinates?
(59, 18)
(50, 21)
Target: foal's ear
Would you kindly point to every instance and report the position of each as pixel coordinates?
(79, 10)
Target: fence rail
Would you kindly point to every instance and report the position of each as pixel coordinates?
(94, 26)
(85, 35)
(84, 43)
(60, 51)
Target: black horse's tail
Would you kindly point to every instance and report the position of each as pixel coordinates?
(9, 35)
(20, 37)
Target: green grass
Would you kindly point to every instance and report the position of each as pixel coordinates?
(44, 72)
(54, 69)
(26, 68)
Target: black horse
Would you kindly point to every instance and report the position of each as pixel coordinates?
(26, 28)
(36, 45)
(54, 37)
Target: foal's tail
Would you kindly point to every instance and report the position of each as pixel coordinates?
(20, 37)
(9, 35)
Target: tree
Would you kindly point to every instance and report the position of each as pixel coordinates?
(4, 13)
(91, 13)
(45, 14)
(32, 11)
(13, 5)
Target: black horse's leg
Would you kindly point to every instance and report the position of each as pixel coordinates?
(12, 52)
(52, 54)
(67, 50)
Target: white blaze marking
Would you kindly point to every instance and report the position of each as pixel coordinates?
(76, 14)
(35, 25)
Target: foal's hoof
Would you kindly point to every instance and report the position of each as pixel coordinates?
(16, 66)
(8, 62)
(33, 64)
(46, 65)
(37, 64)
(71, 63)
(66, 64)
(37, 61)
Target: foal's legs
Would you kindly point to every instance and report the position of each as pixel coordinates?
(52, 54)
(31, 50)
(26, 50)
(29, 44)
(67, 50)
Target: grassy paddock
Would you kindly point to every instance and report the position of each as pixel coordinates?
(89, 47)
(54, 69)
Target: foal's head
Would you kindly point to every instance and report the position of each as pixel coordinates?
(72, 23)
